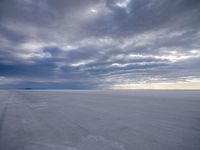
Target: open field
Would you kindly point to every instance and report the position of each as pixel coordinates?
(99, 120)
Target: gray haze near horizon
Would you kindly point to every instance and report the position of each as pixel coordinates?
(99, 120)
(98, 43)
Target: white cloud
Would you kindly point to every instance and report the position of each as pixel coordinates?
(81, 63)
(93, 10)
(7, 80)
(33, 49)
(123, 3)
(119, 65)
(34, 55)
(32, 45)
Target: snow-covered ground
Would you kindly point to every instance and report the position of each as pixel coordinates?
(99, 120)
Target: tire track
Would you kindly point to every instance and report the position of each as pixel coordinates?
(2, 119)
(3, 116)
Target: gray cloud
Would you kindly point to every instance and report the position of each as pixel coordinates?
(100, 42)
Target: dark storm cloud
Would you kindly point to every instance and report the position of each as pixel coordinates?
(100, 42)
(40, 69)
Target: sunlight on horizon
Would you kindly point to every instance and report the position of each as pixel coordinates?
(163, 86)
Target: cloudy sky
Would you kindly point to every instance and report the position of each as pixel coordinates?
(97, 44)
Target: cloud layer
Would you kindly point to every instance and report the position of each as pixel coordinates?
(98, 44)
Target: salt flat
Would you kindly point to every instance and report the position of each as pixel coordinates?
(99, 120)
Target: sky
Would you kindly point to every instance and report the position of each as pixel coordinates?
(100, 44)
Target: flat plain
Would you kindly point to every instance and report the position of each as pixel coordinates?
(99, 120)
